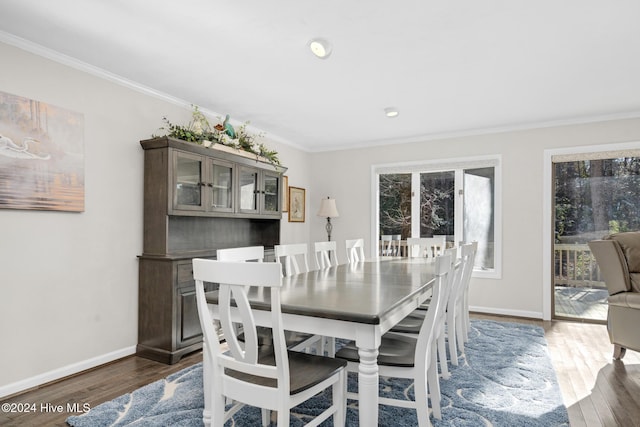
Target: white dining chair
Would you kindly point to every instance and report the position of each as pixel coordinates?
(355, 250)
(395, 244)
(466, 282)
(426, 247)
(435, 245)
(247, 253)
(402, 356)
(441, 239)
(454, 312)
(289, 255)
(325, 254)
(418, 247)
(454, 309)
(275, 380)
(412, 324)
(386, 245)
(326, 257)
(295, 340)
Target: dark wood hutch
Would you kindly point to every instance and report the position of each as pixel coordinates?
(196, 200)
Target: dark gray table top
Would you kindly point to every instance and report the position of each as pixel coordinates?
(364, 292)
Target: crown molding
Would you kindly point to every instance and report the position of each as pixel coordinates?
(61, 58)
(76, 64)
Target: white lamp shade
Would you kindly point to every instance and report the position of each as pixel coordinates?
(328, 208)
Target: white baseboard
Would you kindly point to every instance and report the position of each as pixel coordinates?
(503, 312)
(65, 371)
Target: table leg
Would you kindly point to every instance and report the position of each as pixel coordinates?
(368, 387)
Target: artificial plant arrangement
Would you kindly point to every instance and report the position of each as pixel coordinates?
(200, 131)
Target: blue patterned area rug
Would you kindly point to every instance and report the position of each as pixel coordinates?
(505, 379)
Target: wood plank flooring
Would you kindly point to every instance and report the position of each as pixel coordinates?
(596, 390)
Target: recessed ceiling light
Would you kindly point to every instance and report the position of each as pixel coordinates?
(320, 48)
(391, 112)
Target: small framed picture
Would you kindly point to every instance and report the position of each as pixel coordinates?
(285, 193)
(296, 204)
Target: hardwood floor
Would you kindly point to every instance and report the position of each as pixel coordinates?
(596, 390)
(91, 387)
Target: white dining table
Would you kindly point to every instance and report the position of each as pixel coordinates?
(359, 301)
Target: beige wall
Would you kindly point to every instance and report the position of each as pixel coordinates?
(346, 175)
(69, 280)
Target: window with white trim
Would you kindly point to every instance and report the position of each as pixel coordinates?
(458, 198)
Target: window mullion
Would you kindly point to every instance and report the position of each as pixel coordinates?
(458, 206)
(415, 204)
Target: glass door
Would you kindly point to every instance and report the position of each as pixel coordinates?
(222, 197)
(248, 190)
(187, 182)
(593, 197)
(271, 200)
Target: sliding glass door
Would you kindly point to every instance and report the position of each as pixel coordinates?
(593, 197)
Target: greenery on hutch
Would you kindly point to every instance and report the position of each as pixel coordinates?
(200, 131)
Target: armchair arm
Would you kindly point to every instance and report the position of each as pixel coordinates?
(613, 265)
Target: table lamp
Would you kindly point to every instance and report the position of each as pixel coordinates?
(328, 210)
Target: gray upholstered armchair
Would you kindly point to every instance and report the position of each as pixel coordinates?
(618, 256)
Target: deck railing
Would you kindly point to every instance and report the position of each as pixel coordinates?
(575, 265)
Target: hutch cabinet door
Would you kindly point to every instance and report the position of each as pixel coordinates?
(248, 190)
(186, 181)
(188, 323)
(221, 183)
(271, 199)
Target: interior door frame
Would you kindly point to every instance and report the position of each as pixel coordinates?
(548, 215)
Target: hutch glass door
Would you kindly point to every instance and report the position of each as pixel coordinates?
(271, 193)
(221, 186)
(248, 184)
(187, 182)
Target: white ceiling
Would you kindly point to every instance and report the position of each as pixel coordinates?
(450, 67)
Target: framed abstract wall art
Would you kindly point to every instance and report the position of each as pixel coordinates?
(41, 156)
